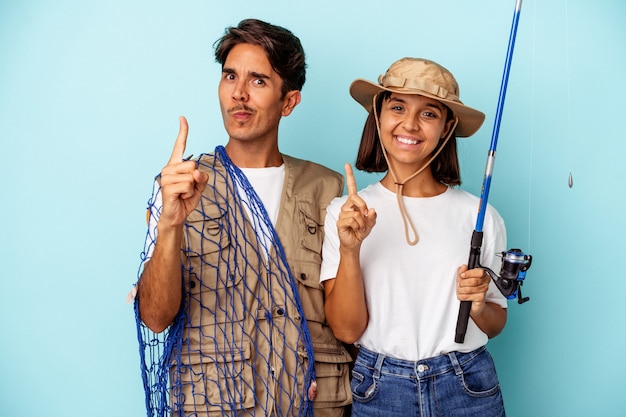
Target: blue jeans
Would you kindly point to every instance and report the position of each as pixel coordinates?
(456, 384)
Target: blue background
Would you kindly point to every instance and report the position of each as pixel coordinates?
(90, 94)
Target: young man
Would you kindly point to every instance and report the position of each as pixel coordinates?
(233, 256)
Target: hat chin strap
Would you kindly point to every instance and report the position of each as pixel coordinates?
(406, 219)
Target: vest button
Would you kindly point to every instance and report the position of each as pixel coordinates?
(280, 311)
(303, 276)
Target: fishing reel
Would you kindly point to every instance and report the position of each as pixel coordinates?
(515, 263)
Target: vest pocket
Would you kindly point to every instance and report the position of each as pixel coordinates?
(204, 233)
(221, 300)
(310, 218)
(311, 292)
(332, 375)
(220, 379)
(214, 286)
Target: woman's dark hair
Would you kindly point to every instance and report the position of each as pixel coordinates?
(370, 158)
(282, 47)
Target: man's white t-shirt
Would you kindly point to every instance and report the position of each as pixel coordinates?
(411, 290)
(268, 184)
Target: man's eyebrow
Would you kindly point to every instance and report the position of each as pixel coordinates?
(253, 74)
(259, 75)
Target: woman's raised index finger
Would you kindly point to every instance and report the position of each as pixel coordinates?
(181, 142)
(350, 181)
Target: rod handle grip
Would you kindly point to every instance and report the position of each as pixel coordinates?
(462, 321)
(465, 307)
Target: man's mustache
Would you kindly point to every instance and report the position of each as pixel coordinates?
(241, 108)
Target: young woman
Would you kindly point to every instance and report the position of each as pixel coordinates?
(394, 253)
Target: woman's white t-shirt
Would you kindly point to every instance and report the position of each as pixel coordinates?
(411, 290)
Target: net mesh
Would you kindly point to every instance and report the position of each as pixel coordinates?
(240, 345)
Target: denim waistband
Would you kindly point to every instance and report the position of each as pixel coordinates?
(423, 368)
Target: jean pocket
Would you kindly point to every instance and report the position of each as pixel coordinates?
(479, 377)
(362, 384)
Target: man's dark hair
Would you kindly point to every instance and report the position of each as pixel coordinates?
(282, 47)
(370, 157)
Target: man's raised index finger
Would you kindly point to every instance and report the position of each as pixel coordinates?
(181, 142)
(350, 181)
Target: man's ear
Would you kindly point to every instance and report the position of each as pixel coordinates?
(291, 100)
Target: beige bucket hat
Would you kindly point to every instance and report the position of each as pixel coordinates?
(426, 78)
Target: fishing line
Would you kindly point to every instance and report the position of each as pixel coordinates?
(570, 179)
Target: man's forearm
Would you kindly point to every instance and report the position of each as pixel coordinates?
(160, 287)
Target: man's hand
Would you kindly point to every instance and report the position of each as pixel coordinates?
(182, 183)
(159, 289)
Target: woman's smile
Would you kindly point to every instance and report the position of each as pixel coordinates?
(407, 140)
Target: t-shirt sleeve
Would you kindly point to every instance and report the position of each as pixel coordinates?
(330, 247)
(155, 204)
(494, 234)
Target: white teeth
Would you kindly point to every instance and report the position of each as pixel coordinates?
(407, 141)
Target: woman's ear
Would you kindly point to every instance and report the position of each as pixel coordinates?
(450, 124)
(291, 100)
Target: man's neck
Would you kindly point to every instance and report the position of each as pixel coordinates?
(253, 155)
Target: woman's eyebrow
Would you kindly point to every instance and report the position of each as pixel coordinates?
(434, 104)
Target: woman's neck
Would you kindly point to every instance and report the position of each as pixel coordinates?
(422, 185)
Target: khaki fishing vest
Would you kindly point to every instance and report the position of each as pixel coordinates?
(308, 189)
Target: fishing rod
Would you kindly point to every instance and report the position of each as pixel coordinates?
(515, 263)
